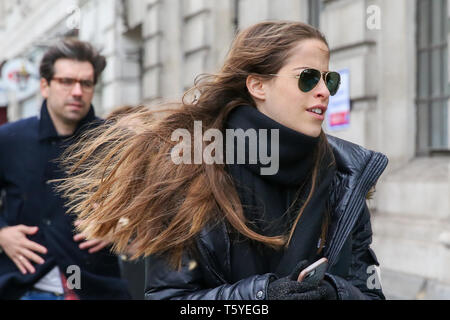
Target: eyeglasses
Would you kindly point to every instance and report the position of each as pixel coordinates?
(68, 83)
(309, 78)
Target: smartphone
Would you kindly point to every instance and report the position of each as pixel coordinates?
(315, 272)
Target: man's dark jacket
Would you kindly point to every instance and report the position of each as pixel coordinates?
(28, 149)
(351, 260)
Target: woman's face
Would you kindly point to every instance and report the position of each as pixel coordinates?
(285, 103)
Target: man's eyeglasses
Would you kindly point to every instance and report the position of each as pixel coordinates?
(309, 78)
(68, 83)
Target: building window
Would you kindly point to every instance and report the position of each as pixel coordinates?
(433, 89)
(314, 8)
(235, 21)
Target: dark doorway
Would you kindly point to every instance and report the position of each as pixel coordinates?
(3, 115)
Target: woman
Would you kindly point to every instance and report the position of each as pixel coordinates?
(228, 231)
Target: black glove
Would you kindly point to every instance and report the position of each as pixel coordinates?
(288, 288)
(327, 290)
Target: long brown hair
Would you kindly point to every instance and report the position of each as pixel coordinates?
(123, 186)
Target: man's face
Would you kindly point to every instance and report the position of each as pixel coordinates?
(69, 103)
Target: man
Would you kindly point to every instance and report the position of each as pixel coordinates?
(43, 257)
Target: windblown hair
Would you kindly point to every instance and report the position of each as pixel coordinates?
(121, 181)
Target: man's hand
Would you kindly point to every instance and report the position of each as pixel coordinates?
(20, 249)
(93, 245)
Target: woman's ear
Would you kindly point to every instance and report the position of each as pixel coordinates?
(255, 86)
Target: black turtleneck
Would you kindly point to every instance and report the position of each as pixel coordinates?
(271, 202)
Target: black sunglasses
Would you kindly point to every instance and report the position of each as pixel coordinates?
(309, 78)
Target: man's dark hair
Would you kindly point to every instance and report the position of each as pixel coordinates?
(71, 49)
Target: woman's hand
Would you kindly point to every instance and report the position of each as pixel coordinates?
(288, 288)
(94, 245)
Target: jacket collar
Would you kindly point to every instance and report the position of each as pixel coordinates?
(358, 170)
(47, 129)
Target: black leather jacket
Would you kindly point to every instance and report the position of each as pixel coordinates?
(348, 251)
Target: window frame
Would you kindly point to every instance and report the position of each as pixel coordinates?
(432, 83)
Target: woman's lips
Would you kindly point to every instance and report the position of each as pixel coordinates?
(316, 115)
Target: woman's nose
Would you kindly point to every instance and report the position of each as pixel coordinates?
(321, 91)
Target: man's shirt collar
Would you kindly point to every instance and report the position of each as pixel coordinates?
(47, 129)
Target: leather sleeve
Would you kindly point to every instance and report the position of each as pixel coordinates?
(190, 283)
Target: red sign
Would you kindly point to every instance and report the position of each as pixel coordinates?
(339, 118)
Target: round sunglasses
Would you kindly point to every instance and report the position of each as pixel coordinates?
(309, 78)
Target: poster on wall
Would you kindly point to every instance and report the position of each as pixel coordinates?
(338, 113)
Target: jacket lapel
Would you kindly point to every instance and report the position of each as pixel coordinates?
(358, 170)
